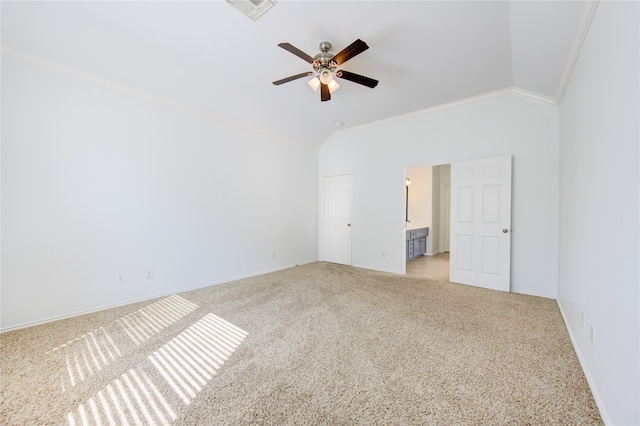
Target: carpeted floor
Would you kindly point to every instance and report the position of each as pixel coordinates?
(316, 344)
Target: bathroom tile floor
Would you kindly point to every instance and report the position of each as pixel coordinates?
(434, 267)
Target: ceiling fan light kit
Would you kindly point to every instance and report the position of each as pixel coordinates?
(326, 76)
(326, 66)
(314, 83)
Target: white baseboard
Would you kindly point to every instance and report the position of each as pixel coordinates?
(377, 269)
(594, 390)
(144, 299)
(535, 293)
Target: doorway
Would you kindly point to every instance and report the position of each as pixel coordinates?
(427, 205)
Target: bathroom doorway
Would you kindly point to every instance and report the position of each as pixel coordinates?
(427, 205)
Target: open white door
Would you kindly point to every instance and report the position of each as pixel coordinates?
(481, 223)
(336, 226)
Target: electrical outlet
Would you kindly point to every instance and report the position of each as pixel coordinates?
(274, 255)
(149, 273)
(121, 278)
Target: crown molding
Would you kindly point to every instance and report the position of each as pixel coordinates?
(534, 96)
(76, 74)
(581, 34)
(508, 91)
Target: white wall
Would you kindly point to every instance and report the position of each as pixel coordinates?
(420, 194)
(377, 155)
(96, 182)
(599, 213)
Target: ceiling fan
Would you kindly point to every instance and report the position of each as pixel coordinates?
(326, 64)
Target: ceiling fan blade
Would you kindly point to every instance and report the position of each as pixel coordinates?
(357, 78)
(293, 77)
(299, 53)
(325, 95)
(355, 48)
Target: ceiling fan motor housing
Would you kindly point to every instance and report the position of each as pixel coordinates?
(323, 60)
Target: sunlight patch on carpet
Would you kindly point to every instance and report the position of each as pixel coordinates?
(188, 361)
(132, 399)
(86, 355)
(185, 364)
(152, 319)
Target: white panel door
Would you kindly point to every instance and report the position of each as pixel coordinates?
(337, 226)
(481, 223)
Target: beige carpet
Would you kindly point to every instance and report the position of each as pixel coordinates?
(316, 344)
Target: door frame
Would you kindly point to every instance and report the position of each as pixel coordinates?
(440, 208)
(441, 224)
(444, 212)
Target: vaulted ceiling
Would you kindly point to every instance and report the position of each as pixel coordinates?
(209, 56)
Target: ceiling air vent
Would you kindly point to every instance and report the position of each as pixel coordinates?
(253, 8)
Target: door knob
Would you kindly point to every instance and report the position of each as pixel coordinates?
(504, 231)
(348, 224)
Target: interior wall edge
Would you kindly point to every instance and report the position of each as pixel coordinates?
(585, 368)
(581, 34)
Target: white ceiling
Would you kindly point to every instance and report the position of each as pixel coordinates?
(208, 55)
